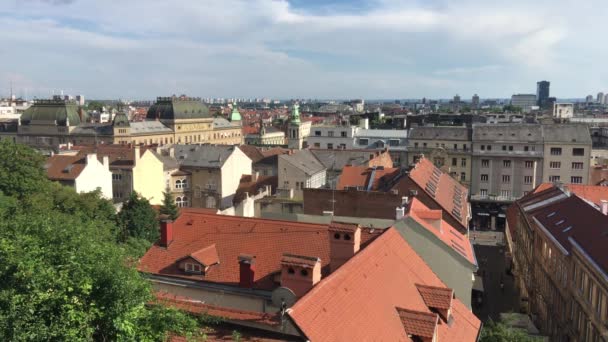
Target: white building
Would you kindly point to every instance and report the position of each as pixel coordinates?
(527, 102)
(83, 172)
(600, 98)
(563, 110)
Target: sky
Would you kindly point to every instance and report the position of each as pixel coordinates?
(372, 49)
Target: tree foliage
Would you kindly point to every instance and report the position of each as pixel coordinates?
(500, 332)
(168, 207)
(137, 219)
(63, 276)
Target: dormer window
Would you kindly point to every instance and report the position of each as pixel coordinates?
(304, 272)
(193, 268)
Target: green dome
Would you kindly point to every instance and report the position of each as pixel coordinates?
(235, 115)
(295, 114)
(176, 108)
(64, 113)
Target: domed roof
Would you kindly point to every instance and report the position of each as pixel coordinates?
(235, 115)
(176, 108)
(63, 113)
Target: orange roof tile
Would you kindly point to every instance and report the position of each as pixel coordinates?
(418, 323)
(451, 236)
(62, 167)
(206, 256)
(436, 297)
(343, 227)
(359, 176)
(358, 301)
(267, 240)
(447, 192)
(299, 260)
(592, 193)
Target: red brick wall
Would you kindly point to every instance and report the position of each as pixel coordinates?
(351, 203)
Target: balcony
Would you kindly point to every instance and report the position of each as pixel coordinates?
(494, 198)
(500, 153)
(428, 149)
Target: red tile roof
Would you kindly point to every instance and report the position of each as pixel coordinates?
(62, 167)
(267, 240)
(358, 302)
(343, 227)
(447, 192)
(252, 152)
(299, 260)
(418, 323)
(593, 193)
(120, 156)
(450, 236)
(360, 176)
(206, 256)
(436, 297)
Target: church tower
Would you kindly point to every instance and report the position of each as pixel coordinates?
(297, 130)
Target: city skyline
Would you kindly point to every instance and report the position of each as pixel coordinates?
(298, 49)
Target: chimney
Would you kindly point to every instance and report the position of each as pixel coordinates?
(344, 243)
(300, 273)
(106, 162)
(400, 213)
(246, 270)
(172, 152)
(604, 206)
(166, 232)
(364, 123)
(91, 158)
(254, 176)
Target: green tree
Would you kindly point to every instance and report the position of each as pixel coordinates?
(137, 219)
(168, 207)
(95, 105)
(500, 332)
(21, 170)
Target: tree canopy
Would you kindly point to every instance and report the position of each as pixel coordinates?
(63, 275)
(137, 219)
(168, 207)
(500, 332)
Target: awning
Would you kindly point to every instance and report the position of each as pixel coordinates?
(478, 284)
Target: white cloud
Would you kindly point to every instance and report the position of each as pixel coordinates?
(144, 48)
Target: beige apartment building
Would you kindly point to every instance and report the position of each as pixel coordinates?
(182, 120)
(449, 148)
(567, 153)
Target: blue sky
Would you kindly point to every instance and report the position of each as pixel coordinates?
(140, 49)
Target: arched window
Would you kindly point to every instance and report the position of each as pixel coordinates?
(178, 184)
(181, 202)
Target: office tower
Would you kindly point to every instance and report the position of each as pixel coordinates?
(542, 93)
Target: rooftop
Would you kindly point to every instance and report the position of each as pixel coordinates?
(592, 193)
(305, 161)
(363, 299)
(366, 178)
(176, 108)
(206, 156)
(441, 133)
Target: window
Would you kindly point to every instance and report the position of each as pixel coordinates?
(578, 151)
(342, 146)
(454, 161)
(192, 268)
(506, 178)
(484, 178)
(455, 146)
(317, 145)
(181, 202)
(464, 147)
(343, 134)
(553, 178)
(510, 148)
(555, 165)
(526, 148)
(365, 142)
(393, 142)
(504, 147)
(505, 193)
(116, 177)
(577, 166)
(423, 144)
(528, 164)
(576, 180)
(556, 151)
(463, 162)
(485, 163)
(483, 147)
(210, 202)
(506, 163)
(527, 179)
(463, 176)
(489, 147)
(330, 133)
(330, 146)
(286, 185)
(483, 192)
(317, 133)
(415, 144)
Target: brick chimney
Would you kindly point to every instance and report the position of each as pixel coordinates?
(300, 273)
(246, 270)
(166, 232)
(344, 243)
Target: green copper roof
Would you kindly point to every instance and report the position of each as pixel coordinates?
(175, 108)
(120, 120)
(235, 115)
(295, 114)
(65, 113)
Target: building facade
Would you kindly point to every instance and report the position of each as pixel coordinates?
(300, 170)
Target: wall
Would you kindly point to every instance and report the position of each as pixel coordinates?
(95, 175)
(289, 175)
(148, 177)
(566, 159)
(351, 203)
(236, 165)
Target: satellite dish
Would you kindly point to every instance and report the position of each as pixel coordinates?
(283, 295)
